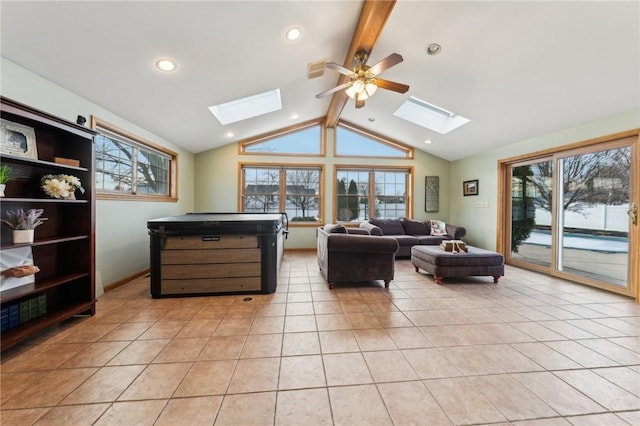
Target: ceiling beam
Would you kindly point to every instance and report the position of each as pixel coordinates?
(373, 16)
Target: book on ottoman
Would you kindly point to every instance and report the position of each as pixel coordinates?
(454, 246)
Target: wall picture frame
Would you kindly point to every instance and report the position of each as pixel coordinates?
(470, 187)
(431, 193)
(18, 140)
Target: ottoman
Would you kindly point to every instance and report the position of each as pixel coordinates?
(441, 264)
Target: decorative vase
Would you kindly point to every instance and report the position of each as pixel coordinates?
(2, 187)
(72, 196)
(22, 236)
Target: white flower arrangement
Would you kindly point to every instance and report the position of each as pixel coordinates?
(61, 186)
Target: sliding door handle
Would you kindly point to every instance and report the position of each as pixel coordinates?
(633, 212)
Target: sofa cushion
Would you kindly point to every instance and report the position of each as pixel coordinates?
(338, 228)
(431, 240)
(405, 240)
(414, 227)
(388, 226)
(438, 227)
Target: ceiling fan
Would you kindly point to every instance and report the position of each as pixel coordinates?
(363, 79)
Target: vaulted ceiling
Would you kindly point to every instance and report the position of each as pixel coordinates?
(515, 69)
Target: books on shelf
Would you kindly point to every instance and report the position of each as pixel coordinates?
(19, 312)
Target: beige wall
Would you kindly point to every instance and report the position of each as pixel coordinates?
(216, 182)
(122, 243)
(209, 181)
(480, 222)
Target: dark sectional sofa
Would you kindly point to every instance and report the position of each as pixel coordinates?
(352, 255)
(410, 232)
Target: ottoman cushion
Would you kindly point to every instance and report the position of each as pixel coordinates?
(474, 257)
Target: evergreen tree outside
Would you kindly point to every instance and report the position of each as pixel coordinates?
(343, 211)
(523, 214)
(353, 200)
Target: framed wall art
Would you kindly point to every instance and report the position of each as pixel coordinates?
(18, 139)
(431, 193)
(470, 187)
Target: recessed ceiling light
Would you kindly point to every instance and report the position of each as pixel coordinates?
(166, 65)
(428, 141)
(433, 49)
(294, 116)
(229, 134)
(372, 119)
(293, 33)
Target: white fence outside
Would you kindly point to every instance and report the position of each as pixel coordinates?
(603, 217)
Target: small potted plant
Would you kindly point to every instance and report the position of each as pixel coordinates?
(6, 174)
(23, 223)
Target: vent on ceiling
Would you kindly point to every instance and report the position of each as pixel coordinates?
(315, 69)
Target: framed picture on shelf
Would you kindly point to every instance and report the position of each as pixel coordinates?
(17, 139)
(470, 187)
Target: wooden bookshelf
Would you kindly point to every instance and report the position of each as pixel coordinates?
(64, 246)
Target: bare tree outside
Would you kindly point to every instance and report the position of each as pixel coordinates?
(117, 161)
(262, 195)
(302, 190)
(589, 179)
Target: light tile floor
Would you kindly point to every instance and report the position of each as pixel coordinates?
(531, 350)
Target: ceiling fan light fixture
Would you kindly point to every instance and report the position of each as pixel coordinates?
(362, 88)
(370, 88)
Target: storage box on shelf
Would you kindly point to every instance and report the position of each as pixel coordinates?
(64, 246)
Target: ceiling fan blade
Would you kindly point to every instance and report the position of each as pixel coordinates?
(386, 63)
(391, 85)
(333, 90)
(359, 102)
(338, 68)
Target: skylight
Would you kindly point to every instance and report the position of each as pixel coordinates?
(249, 107)
(429, 116)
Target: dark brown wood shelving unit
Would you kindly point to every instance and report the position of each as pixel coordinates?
(64, 246)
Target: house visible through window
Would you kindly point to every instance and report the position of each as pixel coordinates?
(275, 188)
(362, 193)
(129, 167)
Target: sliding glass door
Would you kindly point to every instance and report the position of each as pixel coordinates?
(573, 213)
(593, 226)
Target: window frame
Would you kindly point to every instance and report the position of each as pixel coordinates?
(408, 150)
(282, 169)
(137, 141)
(372, 168)
(284, 131)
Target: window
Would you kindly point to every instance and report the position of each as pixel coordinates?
(364, 192)
(305, 139)
(353, 141)
(276, 188)
(128, 167)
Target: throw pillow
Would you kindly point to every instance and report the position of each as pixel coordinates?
(414, 227)
(438, 227)
(335, 228)
(388, 226)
